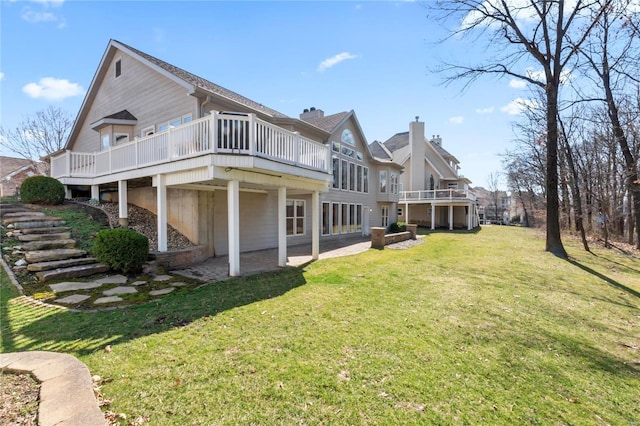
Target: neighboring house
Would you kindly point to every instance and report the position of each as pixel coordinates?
(495, 206)
(13, 171)
(230, 173)
(433, 192)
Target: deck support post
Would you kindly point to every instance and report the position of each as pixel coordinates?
(162, 212)
(433, 216)
(123, 218)
(451, 217)
(282, 226)
(95, 192)
(233, 207)
(470, 217)
(315, 225)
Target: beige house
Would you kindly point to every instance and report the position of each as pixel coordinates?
(230, 173)
(433, 193)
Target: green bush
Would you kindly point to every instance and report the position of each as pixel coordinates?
(42, 190)
(123, 250)
(396, 227)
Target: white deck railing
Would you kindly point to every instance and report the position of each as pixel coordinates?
(219, 133)
(438, 195)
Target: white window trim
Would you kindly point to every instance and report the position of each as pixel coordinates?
(385, 216)
(148, 131)
(386, 182)
(295, 217)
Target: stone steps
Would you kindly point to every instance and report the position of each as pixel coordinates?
(48, 255)
(49, 251)
(49, 230)
(42, 222)
(44, 236)
(49, 245)
(57, 264)
(72, 272)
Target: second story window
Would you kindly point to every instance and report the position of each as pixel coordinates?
(118, 68)
(383, 181)
(393, 183)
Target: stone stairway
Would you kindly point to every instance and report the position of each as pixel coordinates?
(49, 251)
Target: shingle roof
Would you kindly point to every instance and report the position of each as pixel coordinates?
(122, 115)
(400, 140)
(205, 84)
(378, 151)
(397, 141)
(329, 122)
(9, 165)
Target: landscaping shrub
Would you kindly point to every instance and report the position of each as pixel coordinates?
(396, 227)
(123, 250)
(42, 190)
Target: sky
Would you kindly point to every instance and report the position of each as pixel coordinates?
(374, 57)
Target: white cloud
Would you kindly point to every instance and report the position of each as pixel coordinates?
(330, 62)
(539, 75)
(43, 12)
(53, 89)
(488, 110)
(519, 105)
(456, 120)
(1, 76)
(517, 84)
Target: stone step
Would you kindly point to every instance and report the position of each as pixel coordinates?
(72, 272)
(55, 264)
(43, 237)
(48, 245)
(7, 210)
(47, 255)
(24, 213)
(49, 223)
(28, 218)
(50, 230)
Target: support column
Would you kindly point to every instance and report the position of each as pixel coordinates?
(315, 225)
(123, 218)
(162, 212)
(233, 214)
(433, 216)
(282, 226)
(451, 218)
(67, 193)
(95, 192)
(469, 217)
(406, 215)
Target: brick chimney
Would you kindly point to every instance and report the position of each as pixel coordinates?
(311, 114)
(416, 141)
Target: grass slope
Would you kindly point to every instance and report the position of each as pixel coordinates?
(467, 328)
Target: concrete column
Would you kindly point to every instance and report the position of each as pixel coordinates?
(413, 230)
(433, 216)
(406, 214)
(67, 193)
(377, 237)
(95, 192)
(282, 226)
(315, 225)
(162, 212)
(450, 218)
(469, 216)
(233, 213)
(123, 218)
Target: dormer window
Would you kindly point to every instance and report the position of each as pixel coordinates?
(118, 67)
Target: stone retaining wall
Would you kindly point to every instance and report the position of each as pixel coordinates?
(177, 259)
(379, 239)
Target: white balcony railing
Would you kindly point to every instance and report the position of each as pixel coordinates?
(437, 195)
(219, 133)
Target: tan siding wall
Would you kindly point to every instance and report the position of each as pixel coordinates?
(149, 96)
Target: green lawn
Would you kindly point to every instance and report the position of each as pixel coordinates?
(467, 328)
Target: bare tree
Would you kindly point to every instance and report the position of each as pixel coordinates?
(612, 54)
(38, 135)
(519, 33)
(493, 185)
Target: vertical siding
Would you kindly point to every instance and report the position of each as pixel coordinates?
(149, 96)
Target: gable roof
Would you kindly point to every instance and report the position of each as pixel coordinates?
(12, 165)
(196, 81)
(380, 151)
(122, 115)
(400, 140)
(329, 122)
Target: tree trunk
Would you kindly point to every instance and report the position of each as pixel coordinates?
(554, 240)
